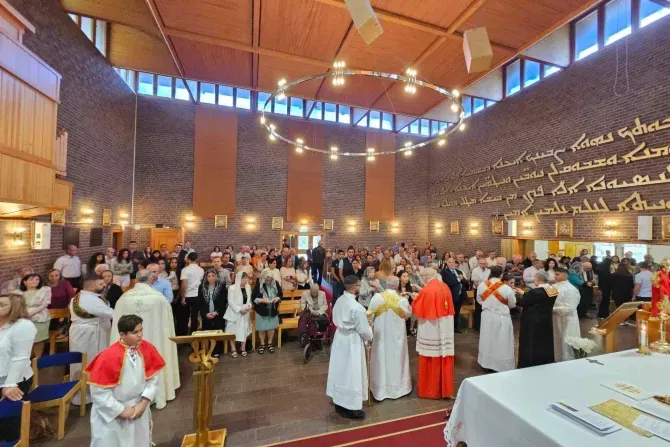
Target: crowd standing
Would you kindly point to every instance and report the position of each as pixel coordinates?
(405, 289)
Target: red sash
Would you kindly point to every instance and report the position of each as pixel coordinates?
(106, 368)
(493, 290)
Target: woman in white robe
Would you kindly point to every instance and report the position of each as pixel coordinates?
(347, 371)
(238, 316)
(88, 334)
(496, 335)
(107, 429)
(565, 319)
(390, 375)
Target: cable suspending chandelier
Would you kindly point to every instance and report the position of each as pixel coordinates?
(338, 74)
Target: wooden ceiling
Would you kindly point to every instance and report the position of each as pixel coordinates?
(254, 43)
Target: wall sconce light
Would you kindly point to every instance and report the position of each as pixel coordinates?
(303, 225)
(474, 228)
(251, 226)
(190, 221)
(124, 218)
(87, 214)
(351, 223)
(17, 236)
(527, 228)
(395, 227)
(438, 228)
(610, 228)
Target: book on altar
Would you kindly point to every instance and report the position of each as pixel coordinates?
(654, 408)
(586, 418)
(628, 390)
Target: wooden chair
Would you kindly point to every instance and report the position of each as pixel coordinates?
(58, 314)
(290, 308)
(292, 295)
(468, 310)
(60, 394)
(21, 408)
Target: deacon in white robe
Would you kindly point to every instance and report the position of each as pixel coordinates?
(91, 323)
(565, 319)
(155, 310)
(124, 382)
(496, 333)
(347, 369)
(389, 364)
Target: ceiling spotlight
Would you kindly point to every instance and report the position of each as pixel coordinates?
(462, 127)
(456, 93)
(442, 142)
(454, 107)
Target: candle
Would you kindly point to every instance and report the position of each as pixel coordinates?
(643, 337)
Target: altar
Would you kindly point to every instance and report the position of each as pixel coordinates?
(511, 408)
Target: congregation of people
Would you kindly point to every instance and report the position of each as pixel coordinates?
(131, 301)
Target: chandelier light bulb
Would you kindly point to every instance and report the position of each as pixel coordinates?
(454, 107)
(442, 142)
(456, 93)
(371, 151)
(298, 149)
(299, 141)
(333, 156)
(408, 144)
(408, 153)
(333, 148)
(371, 158)
(281, 97)
(462, 128)
(281, 82)
(272, 137)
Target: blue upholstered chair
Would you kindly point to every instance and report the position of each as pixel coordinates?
(60, 394)
(10, 409)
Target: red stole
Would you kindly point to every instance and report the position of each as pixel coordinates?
(434, 301)
(106, 368)
(493, 290)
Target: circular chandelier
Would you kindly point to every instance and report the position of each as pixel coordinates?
(338, 74)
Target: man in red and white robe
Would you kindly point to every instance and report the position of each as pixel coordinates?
(434, 308)
(496, 334)
(124, 381)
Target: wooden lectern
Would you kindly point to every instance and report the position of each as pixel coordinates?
(611, 324)
(203, 344)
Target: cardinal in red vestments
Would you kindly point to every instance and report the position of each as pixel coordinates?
(434, 308)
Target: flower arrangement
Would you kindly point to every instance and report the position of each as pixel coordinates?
(581, 346)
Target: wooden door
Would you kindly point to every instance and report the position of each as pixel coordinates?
(117, 239)
(167, 236)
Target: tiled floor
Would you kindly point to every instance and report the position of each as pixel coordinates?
(268, 398)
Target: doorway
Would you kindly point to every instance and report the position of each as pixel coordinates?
(300, 241)
(117, 239)
(167, 236)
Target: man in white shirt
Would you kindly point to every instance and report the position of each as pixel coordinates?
(492, 260)
(565, 319)
(474, 260)
(191, 278)
(642, 291)
(91, 319)
(70, 266)
(401, 254)
(463, 266)
(529, 274)
(478, 276)
(244, 253)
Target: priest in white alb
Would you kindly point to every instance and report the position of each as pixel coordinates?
(389, 364)
(566, 321)
(496, 333)
(347, 369)
(148, 303)
(91, 323)
(124, 381)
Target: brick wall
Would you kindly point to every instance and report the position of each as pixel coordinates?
(593, 96)
(98, 111)
(165, 143)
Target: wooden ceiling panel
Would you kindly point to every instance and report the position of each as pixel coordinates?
(213, 63)
(272, 69)
(517, 22)
(303, 27)
(393, 51)
(128, 12)
(446, 66)
(437, 12)
(359, 91)
(397, 99)
(227, 19)
(132, 48)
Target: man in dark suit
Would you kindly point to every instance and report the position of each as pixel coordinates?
(347, 263)
(453, 279)
(318, 258)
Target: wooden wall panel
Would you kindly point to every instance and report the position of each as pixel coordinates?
(129, 12)
(304, 186)
(380, 178)
(62, 195)
(27, 122)
(29, 68)
(215, 161)
(25, 182)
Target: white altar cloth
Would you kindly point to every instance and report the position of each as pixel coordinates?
(510, 408)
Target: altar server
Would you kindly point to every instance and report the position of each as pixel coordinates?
(156, 313)
(536, 336)
(91, 319)
(347, 370)
(566, 321)
(389, 365)
(496, 334)
(124, 381)
(434, 310)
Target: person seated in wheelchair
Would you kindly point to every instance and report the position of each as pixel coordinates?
(314, 300)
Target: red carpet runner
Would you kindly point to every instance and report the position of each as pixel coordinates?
(421, 430)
